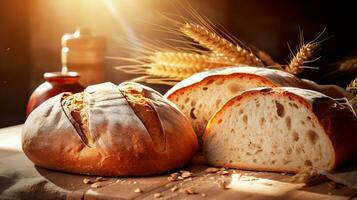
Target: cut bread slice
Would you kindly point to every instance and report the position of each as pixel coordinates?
(202, 94)
(281, 129)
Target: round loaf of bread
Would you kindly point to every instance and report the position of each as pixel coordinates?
(109, 130)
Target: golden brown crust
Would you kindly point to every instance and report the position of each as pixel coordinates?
(122, 146)
(340, 125)
(270, 77)
(172, 93)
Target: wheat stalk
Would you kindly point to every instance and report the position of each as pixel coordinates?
(266, 58)
(268, 61)
(173, 66)
(353, 103)
(220, 46)
(352, 87)
(348, 65)
(303, 56)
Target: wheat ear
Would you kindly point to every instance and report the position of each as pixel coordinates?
(173, 65)
(220, 46)
(348, 65)
(191, 61)
(303, 56)
(352, 87)
(181, 65)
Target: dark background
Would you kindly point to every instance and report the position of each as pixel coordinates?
(30, 33)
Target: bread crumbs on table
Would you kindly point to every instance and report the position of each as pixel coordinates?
(223, 172)
(96, 185)
(174, 189)
(190, 191)
(173, 176)
(99, 179)
(221, 184)
(212, 170)
(185, 174)
(87, 181)
(157, 195)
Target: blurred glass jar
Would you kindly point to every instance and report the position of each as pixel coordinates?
(84, 52)
(55, 83)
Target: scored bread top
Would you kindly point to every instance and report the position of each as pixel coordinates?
(145, 110)
(77, 112)
(101, 132)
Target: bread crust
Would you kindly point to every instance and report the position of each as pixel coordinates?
(121, 145)
(336, 119)
(271, 77)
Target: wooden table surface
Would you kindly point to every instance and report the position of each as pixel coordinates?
(19, 178)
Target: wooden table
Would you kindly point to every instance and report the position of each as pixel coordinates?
(20, 179)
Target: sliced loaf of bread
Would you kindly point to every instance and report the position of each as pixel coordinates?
(281, 129)
(202, 94)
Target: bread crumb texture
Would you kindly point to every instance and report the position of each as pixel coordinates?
(267, 132)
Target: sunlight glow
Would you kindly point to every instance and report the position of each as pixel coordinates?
(10, 139)
(129, 32)
(261, 185)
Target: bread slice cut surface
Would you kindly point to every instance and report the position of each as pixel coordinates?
(268, 129)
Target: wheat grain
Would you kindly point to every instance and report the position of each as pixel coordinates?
(156, 80)
(348, 65)
(190, 61)
(168, 72)
(174, 64)
(180, 65)
(303, 56)
(220, 46)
